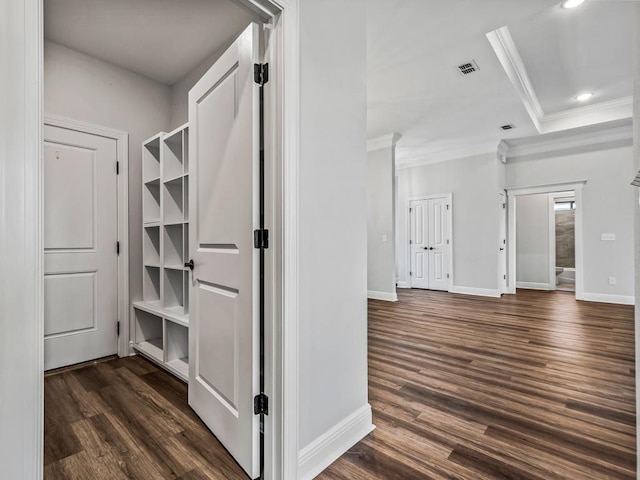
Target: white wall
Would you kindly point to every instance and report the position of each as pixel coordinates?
(20, 246)
(475, 183)
(333, 229)
(532, 240)
(381, 255)
(83, 88)
(608, 205)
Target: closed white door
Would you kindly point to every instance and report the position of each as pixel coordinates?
(80, 236)
(438, 235)
(419, 243)
(224, 295)
(430, 244)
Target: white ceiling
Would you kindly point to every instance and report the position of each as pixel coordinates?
(160, 39)
(414, 88)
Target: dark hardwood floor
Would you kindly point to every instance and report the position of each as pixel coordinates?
(532, 386)
(127, 419)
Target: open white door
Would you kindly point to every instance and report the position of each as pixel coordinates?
(224, 289)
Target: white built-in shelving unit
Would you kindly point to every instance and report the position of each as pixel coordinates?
(161, 318)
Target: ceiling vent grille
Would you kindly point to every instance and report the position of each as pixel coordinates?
(510, 126)
(467, 68)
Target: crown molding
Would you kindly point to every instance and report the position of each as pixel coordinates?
(567, 144)
(505, 49)
(384, 141)
(474, 150)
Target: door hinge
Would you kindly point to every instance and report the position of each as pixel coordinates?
(410, 210)
(447, 241)
(504, 276)
(447, 207)
(261, 73)
(117, 168)
(447, 275)
(117, 248)
(261, 404)
(411, 274)
(504, 205)
(261, 238)
(410, 242)
(118, 328)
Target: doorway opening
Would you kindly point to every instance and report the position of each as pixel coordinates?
(545, 239)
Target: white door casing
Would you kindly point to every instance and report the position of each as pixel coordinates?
(430, 243)
(80, 236)
(502, 243)
(223, 198)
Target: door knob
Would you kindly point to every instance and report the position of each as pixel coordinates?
(428, 248)
(501, 249)
(190, 265)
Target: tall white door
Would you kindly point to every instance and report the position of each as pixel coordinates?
(502, 243)
(80, 235)
(223, 197)
(430, 244)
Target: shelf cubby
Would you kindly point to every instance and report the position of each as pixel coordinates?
(173, 246)
(151, 159)
(173, 289)
(177, 348)
(172, 201)
(151, 202)
(172, 155)
(148, 337)
(151, 245)
(151, 284)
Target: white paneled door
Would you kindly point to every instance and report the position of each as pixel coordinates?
(224, 295)
(430, 243)
(80, 237)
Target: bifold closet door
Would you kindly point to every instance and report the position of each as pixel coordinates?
(224, 211)
(80, 235)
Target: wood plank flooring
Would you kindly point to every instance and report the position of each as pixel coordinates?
(534, 386)
(127, 419)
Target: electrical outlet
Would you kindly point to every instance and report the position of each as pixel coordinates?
(384, 238)
(612, 280)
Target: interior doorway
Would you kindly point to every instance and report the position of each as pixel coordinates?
(545, 241)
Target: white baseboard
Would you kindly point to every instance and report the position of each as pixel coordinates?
(480, 292)
(403, 285)
(331, 445)
(387, 296)
(533, 285)
(604, 298)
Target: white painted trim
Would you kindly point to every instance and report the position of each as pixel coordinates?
(411, 198)
(510, 59)
(386, 296)
(604, 298)
(534, 286)
(551, 199)
(502, 282)
(579, 236)
(480, 292)
(567, 143)
(547, 188)
(122, 152)
(403, 285)
(503, 150)
(331, 445)
(511, 244)
(419, 159)
(384, 141)
(21, 241)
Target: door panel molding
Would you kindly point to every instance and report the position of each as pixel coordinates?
(122, 156)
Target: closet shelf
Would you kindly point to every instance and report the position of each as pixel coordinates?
(151, 348)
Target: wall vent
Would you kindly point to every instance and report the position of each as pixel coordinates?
(467, 68)
(510, 126)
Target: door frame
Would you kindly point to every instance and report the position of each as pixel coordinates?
(25, 62)
(512, 194)
(413, 198)
(502, 281)
(122, 156)
(552, 235)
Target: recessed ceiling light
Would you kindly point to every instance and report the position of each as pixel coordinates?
(584, 96)
(572, 3)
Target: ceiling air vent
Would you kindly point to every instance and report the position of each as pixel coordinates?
(511, 126)
(469, 67)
